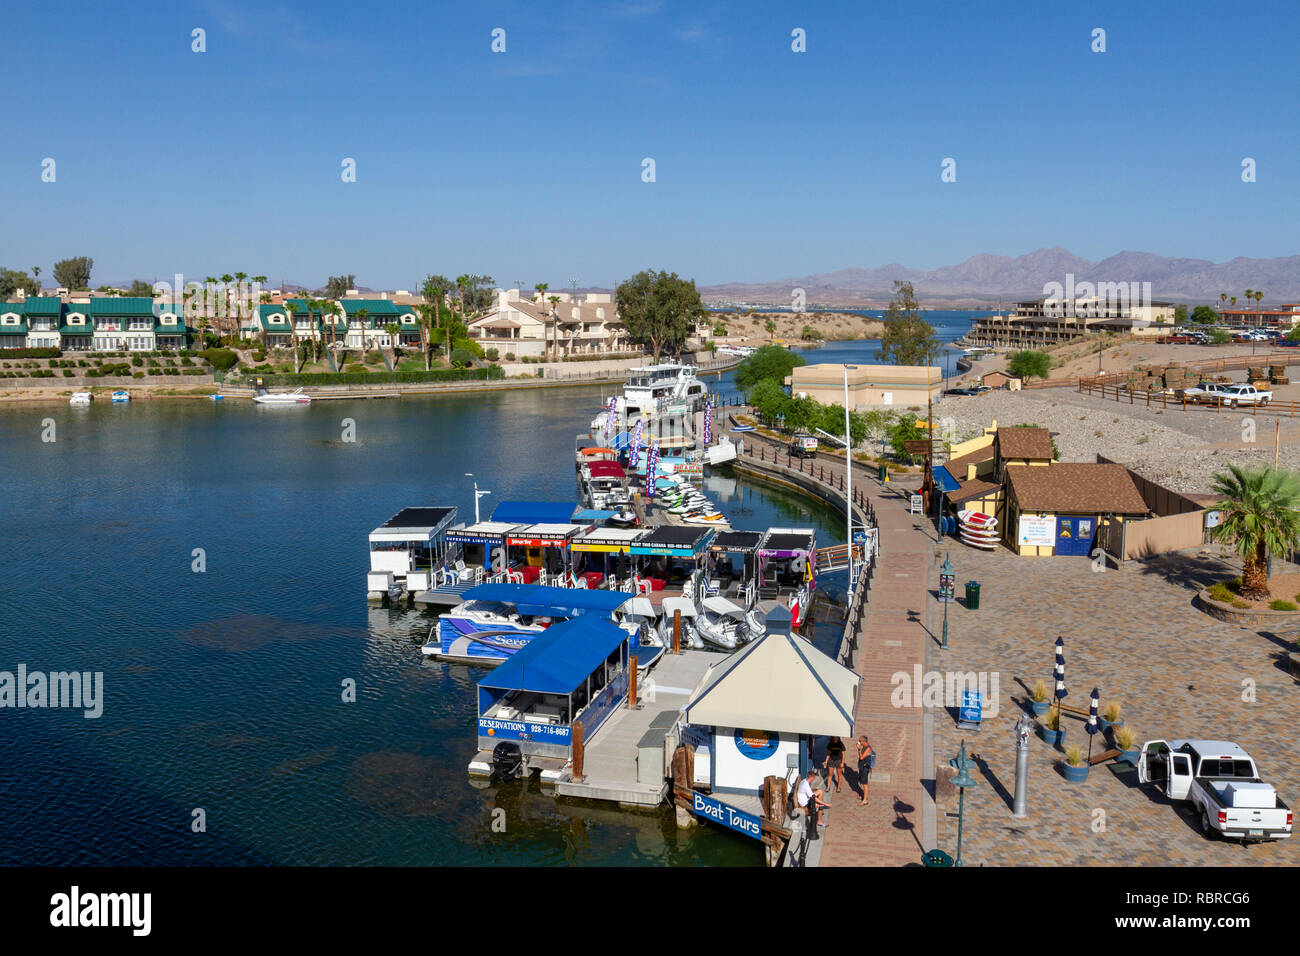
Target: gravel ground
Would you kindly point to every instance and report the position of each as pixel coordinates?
(1179, 449)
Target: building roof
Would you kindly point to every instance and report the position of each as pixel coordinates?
(1022, 442)
(44, 305)
(975, 488)
(374, 307)
(121, 305)
(534, 512)
(957, 466)
(1076, 488)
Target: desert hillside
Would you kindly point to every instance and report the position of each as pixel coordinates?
(750, 328)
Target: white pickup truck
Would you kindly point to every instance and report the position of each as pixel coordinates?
(1221, 781)
(1240, 395)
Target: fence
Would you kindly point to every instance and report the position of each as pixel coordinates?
(1163, 400)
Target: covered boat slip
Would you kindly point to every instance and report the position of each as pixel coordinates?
(411, 543)
(605, 551)
(573, 675)
(483, 543)
(544, 546)
(732, 564)
(786, 559)
(665, 558)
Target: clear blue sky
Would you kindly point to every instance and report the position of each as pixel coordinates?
(527, 164)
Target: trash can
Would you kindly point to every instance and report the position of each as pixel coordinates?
(883, 473)
(972, 595)
(936, 858)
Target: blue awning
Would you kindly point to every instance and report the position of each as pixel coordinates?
(559, 660)
(944, 479)
(534, 512)
(545, 600)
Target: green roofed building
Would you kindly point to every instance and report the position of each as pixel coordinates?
(43, 314)
(368, 321)
(13, 326)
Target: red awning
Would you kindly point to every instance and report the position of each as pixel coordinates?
(606, 469)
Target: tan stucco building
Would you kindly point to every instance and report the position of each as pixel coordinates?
(869, 385)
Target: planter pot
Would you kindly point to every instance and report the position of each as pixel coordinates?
(1053, 737)
(1130, 756)
(1075, 774)
(1040, 707)
(1105, 724)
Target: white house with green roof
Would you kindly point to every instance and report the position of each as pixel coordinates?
(13, 325)
(123, 323)
(269, 323)
(76, 328)
(43, 314)
(368, 321)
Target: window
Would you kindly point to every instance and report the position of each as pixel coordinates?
(141, 325)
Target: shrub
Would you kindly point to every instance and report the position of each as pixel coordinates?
(1125, 738)
(68, 373)
(1039, 691)
(461, 358)
(220, 359)
(1280, 605)
(1239, 603)
(1111, 712)
(491, 354)
(34, 353)
(1074, 755)
(1052, 719)
(137, 374)
(510, 356)
(137, 361)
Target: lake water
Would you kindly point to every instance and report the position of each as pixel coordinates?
(223, 689)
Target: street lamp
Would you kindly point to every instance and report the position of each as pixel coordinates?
(477, 494)
(848, 474)
(945, 594)
(962, 764)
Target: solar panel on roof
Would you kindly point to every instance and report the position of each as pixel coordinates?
(418, 518)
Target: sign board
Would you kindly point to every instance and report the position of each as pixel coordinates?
(728, 816)
(1212, 519)
(914, 504)
(524, 730)
(971, 711)
(946, 588)
(1037, 532)
(919, 446)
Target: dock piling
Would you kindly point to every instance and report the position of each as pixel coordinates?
(631, 683)
(677, 632)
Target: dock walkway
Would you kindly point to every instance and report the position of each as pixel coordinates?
(893, 636)
(610, 760)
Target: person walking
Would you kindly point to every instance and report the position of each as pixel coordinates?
(866, 761)
(834, 763)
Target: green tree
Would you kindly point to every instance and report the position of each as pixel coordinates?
(1029, 364)
(658, 309)
(1219, 337)
(769, 363)
(769, 400)
(1180, 314)
(1259, 515)
(336, 287)
(771, 329)
(904, 430)
(74, 273)
(1204, 315)
(908, 339)
(293, 309)
(11, 280)
(140, 288)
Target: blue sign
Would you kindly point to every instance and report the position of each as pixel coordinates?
(727, 815)
(756, 744)
(524, 730)
(971, 711)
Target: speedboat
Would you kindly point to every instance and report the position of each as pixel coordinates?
(623, 519)
(719, 622)
(120, 396)
(716, 518)
(81, 398)
(296, 397)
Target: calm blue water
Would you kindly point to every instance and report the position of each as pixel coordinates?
(223, 689)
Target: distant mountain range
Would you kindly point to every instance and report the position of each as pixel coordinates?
(984, 279)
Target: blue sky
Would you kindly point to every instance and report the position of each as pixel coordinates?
(526, 165)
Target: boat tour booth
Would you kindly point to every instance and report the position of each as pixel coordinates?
(756, 714)
(405, 549)
(787, 569)
(483, 544)
(551, 695)
(672, 554)
(605, 551)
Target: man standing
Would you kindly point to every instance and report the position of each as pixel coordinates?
(866, 760)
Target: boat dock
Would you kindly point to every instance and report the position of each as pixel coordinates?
(612, 764)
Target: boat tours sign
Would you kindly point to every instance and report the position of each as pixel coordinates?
(524, 730)
(1037, 532)
(727, 815)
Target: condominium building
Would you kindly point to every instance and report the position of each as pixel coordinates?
(1053, 320)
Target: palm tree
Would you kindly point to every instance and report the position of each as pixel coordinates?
(771, 329)
(361, 315)
(1259, 297)
(291, 308)
(1259, 515)
(329, 315)
(555, 313)
(462, 283)
(426, 322)
(225, 296)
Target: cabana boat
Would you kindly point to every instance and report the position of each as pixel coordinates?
(405, 550)
(787, 568)
(573, 676)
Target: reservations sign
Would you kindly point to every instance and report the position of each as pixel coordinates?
(523, 730)
(1037, 532)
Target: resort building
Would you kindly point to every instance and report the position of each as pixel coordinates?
(868, 385)
(533, 328)
(1050, 321)
(99, 323)
(1283, 317)
(368, 321)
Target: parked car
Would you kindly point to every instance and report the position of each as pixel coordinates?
(1221, 781)
(961, 391)
(1244, 395)
(1208, 393)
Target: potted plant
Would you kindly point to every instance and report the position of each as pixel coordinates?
(1126, 743)
(1053, 733)
(1075, 767)
(1110, 716)
(1039, 698)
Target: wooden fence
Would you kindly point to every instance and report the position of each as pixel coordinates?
(1164, 400)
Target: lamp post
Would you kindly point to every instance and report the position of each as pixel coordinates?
(961, 781)
(945, 594)
(848, 474)
(477, 494)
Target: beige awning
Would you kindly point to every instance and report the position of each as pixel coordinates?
(778, 683)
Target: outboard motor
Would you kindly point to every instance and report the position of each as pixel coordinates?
(507, 760)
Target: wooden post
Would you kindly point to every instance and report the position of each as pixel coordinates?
(677, 632)
(577, 751)
(631, 683)
(1277, 440)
